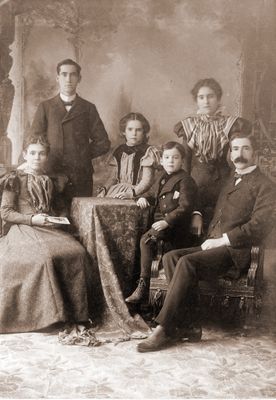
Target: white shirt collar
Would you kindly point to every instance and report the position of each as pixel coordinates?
(246, 170)
(67, 98)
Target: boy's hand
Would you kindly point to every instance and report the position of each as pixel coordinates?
(160, 225)
(197, 225)
(142, 202)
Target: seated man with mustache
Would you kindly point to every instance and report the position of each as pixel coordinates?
(243, 216)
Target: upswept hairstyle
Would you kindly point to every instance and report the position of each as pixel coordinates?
(173, 145)
(207, 82)
(134, 116)
(68, 61)
(39, 138)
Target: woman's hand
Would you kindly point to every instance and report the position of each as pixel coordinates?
(197, 225)
(160, 225)
(142, 203)
(125, 194)
(41, 220)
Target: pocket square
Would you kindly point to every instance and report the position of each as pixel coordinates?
(176, 195)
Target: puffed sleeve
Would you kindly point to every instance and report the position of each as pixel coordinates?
(183, 129)
(230, 124)
(151, 158)
(8, 203)
(179, 130)
(149, 163)
(11, 182)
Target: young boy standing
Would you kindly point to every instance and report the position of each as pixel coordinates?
(173, 197)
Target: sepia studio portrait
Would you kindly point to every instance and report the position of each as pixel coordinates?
(138, 199)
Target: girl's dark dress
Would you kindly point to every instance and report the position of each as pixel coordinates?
(43, 270)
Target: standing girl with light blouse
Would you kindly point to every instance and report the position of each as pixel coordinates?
(205, 139)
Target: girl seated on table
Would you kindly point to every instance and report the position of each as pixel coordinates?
(173, 197)
(44, 270)
(132, 163)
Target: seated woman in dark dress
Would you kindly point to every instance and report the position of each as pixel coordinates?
(44, 270)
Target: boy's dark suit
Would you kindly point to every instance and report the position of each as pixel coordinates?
(172, 198)
(244, 212)
(76, 137)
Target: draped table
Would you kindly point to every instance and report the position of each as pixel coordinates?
(110, 230)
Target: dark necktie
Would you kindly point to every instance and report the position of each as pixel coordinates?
(238, 176)
(68, 103)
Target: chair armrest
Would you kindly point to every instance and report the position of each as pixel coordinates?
(255, 266)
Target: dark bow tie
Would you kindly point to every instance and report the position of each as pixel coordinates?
(238, 176)
(68, 103)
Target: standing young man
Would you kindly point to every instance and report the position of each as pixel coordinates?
(74, 129)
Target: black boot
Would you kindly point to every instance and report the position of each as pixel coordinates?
(141, 293)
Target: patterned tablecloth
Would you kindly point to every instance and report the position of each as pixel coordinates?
(110, 230)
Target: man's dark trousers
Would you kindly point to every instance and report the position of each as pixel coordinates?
(184, 268)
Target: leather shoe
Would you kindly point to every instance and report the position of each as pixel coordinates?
(156, 341)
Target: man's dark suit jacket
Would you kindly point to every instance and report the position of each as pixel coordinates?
(76, 137)
(244, 212)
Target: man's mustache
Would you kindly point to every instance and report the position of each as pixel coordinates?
(241, 160)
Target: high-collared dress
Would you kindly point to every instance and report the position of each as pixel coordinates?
(44, 271)
(132, 169)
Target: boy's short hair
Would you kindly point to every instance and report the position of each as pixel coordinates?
(173, 145)
(68, 61)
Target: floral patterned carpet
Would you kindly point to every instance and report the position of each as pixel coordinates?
(225, 364)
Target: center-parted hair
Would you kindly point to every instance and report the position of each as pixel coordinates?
(173, 145)
(37, 139)
(135, 116)
(69, 61)
(207, 82)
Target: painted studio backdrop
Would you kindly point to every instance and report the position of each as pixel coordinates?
(140, 55)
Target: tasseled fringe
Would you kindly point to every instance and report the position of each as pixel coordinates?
(156, 300)
(224, 306)
(229, 307)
